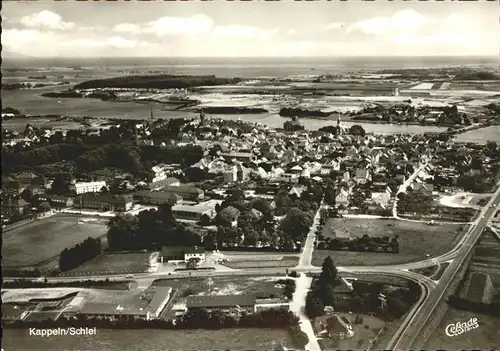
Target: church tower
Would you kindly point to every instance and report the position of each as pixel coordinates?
(202, 117)
(339, 125)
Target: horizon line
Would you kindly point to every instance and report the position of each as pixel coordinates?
(20, 56)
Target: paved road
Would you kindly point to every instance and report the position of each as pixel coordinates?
(405, 338)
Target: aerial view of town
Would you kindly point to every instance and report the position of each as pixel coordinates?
(250, 176)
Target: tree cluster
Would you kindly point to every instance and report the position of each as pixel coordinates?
(363, 244)
(415, 202)
(150, 229)
(79, 254)
(113, 148)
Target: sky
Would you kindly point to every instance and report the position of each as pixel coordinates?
(249, 29)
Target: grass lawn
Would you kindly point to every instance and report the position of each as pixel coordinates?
(261, 286)
(41, 240)
(486, 337)
(283, 262)
(225, 339)
(415, 240)
(362, 334)
(114, 263)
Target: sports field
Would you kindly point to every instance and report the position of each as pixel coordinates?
(36, 242)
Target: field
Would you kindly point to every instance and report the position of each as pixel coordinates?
(261, 286)
(228, 339)
(261, 261)
(41, 240)
(480, 136)
(416, 240)
(485, 337)
(114, 263)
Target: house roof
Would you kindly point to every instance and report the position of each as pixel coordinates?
(193, 209)
(337, 324)
(362, 173)
(171, 251)
(220, 301)
(183, 188)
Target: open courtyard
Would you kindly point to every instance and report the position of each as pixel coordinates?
(417, 241)
(41, 240)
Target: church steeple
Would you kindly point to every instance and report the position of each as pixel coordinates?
(339, 126)
(202, 117)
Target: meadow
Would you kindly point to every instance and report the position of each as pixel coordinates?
(416, 240)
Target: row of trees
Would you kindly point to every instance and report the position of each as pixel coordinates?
(195, 319)
(150, 229)
(363, 244)
(79, 254)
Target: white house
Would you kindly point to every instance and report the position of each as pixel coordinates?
(196, 253)
(88, 187)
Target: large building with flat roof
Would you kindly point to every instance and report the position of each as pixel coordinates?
(149, 306)
(193, 212)
(234, 305)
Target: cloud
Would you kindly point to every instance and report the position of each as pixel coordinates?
(333, 25)
(441, 39)
(233, 31)
(164, 26)
(401, 21)
(18, 39)
(46, 19)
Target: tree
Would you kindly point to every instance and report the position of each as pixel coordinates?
(357, 130)
(61, 184)
(44, 207)
(314, 307)
(193, 262)
(296, 224)
(329, 272)
(205, 220)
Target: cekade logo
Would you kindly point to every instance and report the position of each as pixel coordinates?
(461, 327)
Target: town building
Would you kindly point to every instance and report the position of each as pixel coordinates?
(156, 197)
(338, 327)
(186, 192)
(56, 201)
(197, 253)
(231, 305)
(14, 206)
(103, 202)
(239, 156)
(342, 197)
(193, 212)
(363, 176)
(87, 187)
(181, 253)
(149, 306)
